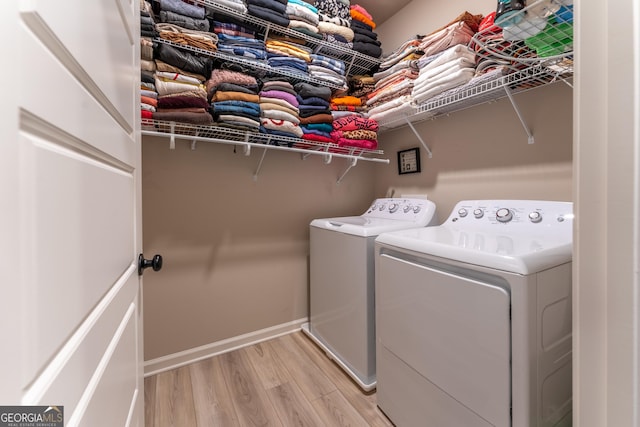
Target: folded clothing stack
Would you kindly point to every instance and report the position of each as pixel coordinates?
(222, 24)
(459, 31)
(270, 10)
(198, 39)
(185, 15)
(328, 70)
(365, 40)
(335, 21)
(234, 99)
(148, 94)
(181, 98)
(247, 47)
(303, 17)
(315, 114)
(347, 105)
(286, 57)
(453, 67)
(361, 85)
(279, 113)
(355, 131)
(236, 5)
(393, 82)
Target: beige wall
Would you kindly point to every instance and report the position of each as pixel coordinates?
(235, 251)
(482, 152)
(424, 16)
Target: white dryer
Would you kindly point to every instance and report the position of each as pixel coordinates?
(341, 281)
(473, 317)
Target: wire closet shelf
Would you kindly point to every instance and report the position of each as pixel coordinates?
(248, 140)
(356, 63)
(536, 49)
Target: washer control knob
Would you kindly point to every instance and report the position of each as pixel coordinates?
(417, 209)
(535, 217)
(478, 213)
(462, 212)
(504, 215)
(393, 207)
(406, 209)
(382, 206)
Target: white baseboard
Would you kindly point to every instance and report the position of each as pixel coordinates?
(176, 360)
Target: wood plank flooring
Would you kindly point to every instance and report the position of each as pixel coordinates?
(287, 381)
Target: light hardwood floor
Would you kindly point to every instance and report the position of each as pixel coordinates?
(287, 381)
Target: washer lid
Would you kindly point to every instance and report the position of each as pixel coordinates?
(511, 235)
(361, 225)
(523, 254)
(388, 214)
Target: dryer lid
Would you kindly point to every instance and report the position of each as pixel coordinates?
(522, 237)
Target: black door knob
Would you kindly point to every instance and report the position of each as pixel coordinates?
(155, 263)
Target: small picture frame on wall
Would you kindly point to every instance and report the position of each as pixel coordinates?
(409, 161)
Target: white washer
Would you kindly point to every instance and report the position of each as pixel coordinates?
(341, 292)
(473, 317)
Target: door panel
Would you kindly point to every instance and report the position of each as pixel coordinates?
(80, 214)
(72, 177)
(83, 123)
(65, 379)
(455, 332)
(95, 41)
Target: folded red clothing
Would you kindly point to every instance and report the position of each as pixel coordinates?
(355, 123)
(317, 138)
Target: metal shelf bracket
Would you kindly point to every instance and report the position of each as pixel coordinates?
(424, 144)
(172, 138)
(352, 163)
(193, 142)
(255, 175)
(530, 138)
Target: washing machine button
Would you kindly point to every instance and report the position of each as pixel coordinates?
(504, 215)
(535, 217)
(393, 207)
(417, 209)
(478, 213)
(406, 209)
(462, 212)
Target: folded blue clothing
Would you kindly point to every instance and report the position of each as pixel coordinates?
(299, 65)
(330, 63)
(236, 107)
(243, 51)
(322, 129)
(229, 40)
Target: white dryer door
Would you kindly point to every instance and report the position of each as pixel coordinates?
(454, 331)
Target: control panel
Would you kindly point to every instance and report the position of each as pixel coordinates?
(402, 209)
(512, 213)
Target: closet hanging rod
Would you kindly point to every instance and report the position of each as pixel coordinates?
(173, 137)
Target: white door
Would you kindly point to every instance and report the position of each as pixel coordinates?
(70, 298)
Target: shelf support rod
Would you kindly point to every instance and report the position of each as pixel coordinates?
(172, 139)
(424, 144)
(193, 142)
(246, 149)
(255, 175)
(352, 163)
(530, 138)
